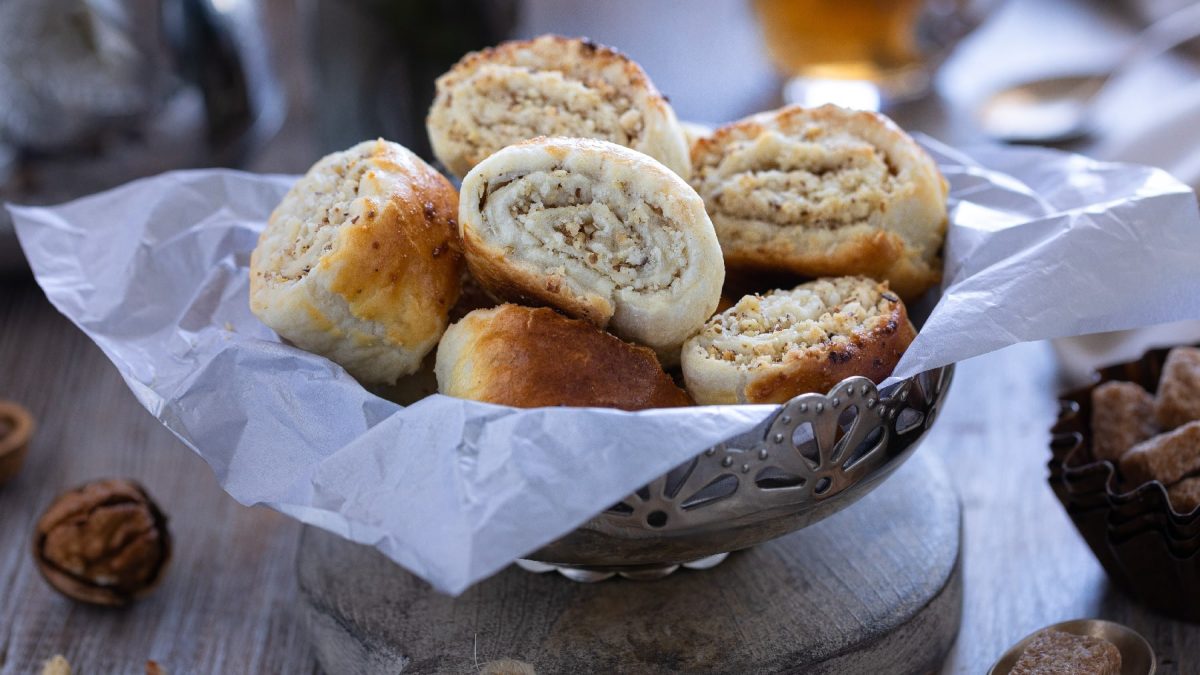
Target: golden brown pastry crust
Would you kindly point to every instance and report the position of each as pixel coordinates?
(361, 261)
(885, 217)
(872, 355)
(528, 358)
(403, 254)
(772, 360)
(550, 86)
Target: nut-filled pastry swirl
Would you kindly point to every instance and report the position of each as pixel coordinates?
(360, 262)
(597, 231)
(824, 192)
(768, 348)
(550, 86)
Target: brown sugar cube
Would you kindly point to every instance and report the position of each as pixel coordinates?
(1122, 417)
(1053, 652)
(1166, 458)
(1178, 400)
(1185, 495)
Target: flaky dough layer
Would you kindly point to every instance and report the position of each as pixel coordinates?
(550, 86)
(769, 348)
(824, 192)
(598, 231)
(360, 261)
(529, 358)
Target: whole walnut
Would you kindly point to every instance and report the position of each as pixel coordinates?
(105, 543)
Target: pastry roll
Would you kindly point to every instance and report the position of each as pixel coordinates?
(528, 358)
(360, 262)
(824, 192)
(550, 86)
(769, 348)
(597, 231)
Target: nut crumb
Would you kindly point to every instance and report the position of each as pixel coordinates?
(506, 667)
(56, 665)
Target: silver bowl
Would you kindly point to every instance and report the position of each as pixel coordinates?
(814, 456)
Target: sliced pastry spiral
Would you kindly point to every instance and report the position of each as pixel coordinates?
(769, 348)
(360, 262)
(824, 192)
(598, 231)
(550, 86)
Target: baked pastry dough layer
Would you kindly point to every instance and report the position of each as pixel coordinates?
(597, 230)
(528, 358)
(360, 261)
(550, 86)
(769, 348)
(824, 192)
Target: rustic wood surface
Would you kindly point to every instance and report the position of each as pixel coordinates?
(227, 604)
(872, 589)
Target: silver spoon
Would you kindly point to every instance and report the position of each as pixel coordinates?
(1137, 658)
(1058, 109)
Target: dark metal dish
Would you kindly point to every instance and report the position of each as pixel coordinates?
(1147, 548)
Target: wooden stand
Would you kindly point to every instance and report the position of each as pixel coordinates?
(875, 588)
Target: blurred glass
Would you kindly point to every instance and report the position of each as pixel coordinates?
(95, 93)
(862, 53)
(381, 83)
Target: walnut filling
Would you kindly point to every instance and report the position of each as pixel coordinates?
(609, 239)
(311, 223)
(815, 178)
(780, 326)
(512, 103)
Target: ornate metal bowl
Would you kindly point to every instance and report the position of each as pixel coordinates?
(814, 456)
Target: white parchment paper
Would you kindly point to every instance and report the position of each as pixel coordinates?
(1042, 244)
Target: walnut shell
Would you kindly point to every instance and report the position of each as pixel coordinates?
(104, 543)
(16, 427)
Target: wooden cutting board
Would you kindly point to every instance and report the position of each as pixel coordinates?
(876, 588)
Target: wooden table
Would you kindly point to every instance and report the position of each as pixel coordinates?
(227, 603)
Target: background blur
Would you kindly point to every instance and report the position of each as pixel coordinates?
(96, 92)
